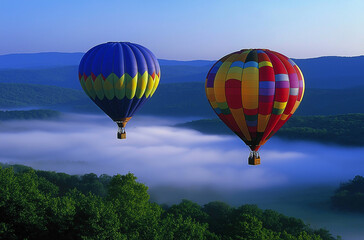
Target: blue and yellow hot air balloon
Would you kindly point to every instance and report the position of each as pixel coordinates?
(254, 92)
(119, 77)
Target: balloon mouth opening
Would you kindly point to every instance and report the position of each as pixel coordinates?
(254, 147)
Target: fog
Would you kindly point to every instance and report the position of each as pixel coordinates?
(159, 154)
(295, 177)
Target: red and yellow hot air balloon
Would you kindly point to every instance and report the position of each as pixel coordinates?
(254, 92)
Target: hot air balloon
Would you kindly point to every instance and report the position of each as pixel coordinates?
(119, 77)
(254, 92)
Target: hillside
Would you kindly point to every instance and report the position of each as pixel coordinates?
(66, 76)
(60, 69)
(28, 115)
(177, 99)
(332, 101)
(58, 59)
(332, 72)
(349, 196)
(184, 73)
(189, 99)
(341, 129)
(39, 60)
(15, 95)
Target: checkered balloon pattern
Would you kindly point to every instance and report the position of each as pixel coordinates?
(254, 92)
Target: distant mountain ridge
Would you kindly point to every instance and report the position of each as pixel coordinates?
(332, 72)
(66, 76)
(175, 99)
(39, 60)
(59, 59)
(60, 69)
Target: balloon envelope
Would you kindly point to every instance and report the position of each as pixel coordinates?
(119, 77)
(254, 92)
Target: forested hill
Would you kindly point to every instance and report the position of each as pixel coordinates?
(176, 99)
(332, 72)
(340, 129)
(39, 114)
(15, 95)
(350, 196)
(67, 76)
(49, 205)
(61, 69)
(189, 99)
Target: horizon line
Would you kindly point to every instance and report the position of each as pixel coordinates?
(30, 53)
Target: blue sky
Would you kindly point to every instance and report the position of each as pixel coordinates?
(185, 30)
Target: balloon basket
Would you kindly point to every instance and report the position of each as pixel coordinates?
(121, 135)
(254, 158)
(121, 128)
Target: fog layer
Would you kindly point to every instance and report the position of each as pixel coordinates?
(296, 178)
(160, 154)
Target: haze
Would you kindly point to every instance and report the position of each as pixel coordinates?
(185, 30)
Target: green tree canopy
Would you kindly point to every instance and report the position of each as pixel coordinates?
(47, 205)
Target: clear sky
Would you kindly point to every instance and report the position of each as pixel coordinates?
(185, 30)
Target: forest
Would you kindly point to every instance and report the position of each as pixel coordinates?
(14, 95)
(346, 129)
(171, 99)
(28, 115)
(48, 205)
(350, 196)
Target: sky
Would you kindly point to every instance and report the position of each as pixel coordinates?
(185, 30)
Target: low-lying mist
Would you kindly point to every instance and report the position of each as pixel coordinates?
(160, 154)
(295, 177)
